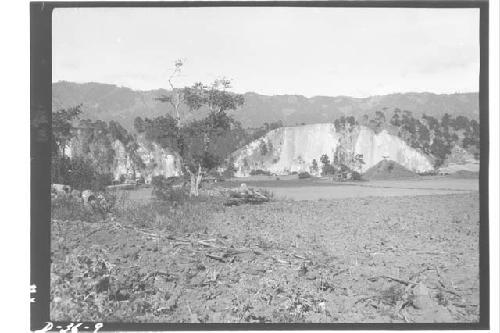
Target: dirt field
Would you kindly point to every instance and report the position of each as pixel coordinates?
(375, 188)
(377, 259)
(289, 187)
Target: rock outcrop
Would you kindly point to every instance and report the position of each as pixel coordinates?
(293, 149)
(155, 159)
(158, 160)
(376, 147)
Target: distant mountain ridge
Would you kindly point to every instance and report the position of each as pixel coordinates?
(110, 102)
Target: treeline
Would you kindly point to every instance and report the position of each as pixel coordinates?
(437, 136)
(433, 136)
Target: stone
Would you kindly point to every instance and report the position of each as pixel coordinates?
(293, 149)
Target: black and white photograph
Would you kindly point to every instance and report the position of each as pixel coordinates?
(279, 164)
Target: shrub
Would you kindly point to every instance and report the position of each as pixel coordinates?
(100, 181)
(67, 208)
(228, 173)
(104, 204)
(327, 169)
(169, 189)
(303, 175)
(259, 172)
(79, 173)
(356, 175)
(267, 193)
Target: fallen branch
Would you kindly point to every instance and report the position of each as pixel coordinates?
(362, 299)
(339, 272)
(443, 286)
(405, 282)
(121, 226)
(281, 261)
(298, 256)
(212, 256)
(204, 243)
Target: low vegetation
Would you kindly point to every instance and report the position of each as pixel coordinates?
(201, 262)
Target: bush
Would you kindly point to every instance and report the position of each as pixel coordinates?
(260, 172)
(228, 173)
(356, 175)
(99, 182)
(327, 169)
(267, 193)
(303, 175)
(67, 208)
(169, 189)
(104, 204)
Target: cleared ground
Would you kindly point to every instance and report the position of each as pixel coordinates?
(410, 258)
(289, 187)
(376, 188)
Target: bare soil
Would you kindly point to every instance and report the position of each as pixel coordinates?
(377, 259)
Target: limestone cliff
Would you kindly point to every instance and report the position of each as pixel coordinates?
(158, 160)
(140, 158)
(290, 149)
(375, 147)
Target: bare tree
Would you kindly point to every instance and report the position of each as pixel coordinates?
(176, 95)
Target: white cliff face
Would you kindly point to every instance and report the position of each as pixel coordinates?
(290, 149)
(158, 161)
(122, 164)
(376, 147)
(294, 148)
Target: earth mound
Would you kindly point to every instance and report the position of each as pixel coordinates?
(388, 169)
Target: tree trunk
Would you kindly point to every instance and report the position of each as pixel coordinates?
(195, 181)
(192, 190)
(198, 179)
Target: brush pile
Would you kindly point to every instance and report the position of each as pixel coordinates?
(246, 195)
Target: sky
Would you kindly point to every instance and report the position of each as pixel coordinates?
(355, 52)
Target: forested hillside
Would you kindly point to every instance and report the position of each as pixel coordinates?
(109, 102)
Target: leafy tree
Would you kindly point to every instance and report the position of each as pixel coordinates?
(461, 123)
(396, 118)
(324, 159)
(344, 123)
(379, 121)
(139, 125)
(314, 166)
(62, 127)
(326, 168)
(164, 131)
(230, 169)
(118, 132)
(446, 121)
(195, 141)
(215, 96)
(263, 148)
(432, 123)
(424, 137)
(440, 150)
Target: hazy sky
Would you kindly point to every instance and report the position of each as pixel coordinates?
(308, 51)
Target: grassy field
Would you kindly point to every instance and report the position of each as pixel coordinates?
(403, 258)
